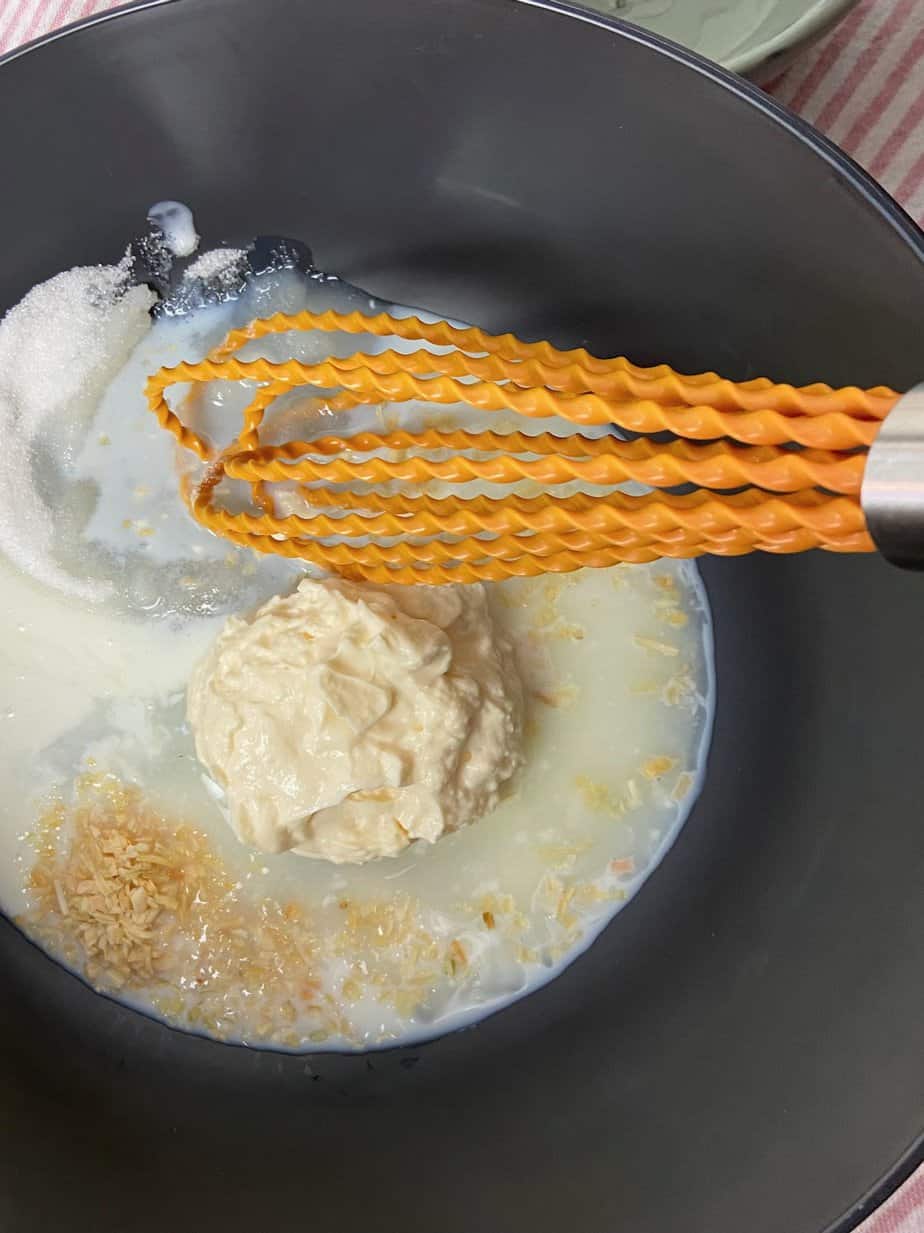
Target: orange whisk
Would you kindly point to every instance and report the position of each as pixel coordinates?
(762, 466)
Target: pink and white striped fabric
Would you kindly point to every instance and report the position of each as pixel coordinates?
(903, 1213)
(863, 86)
(22, 20)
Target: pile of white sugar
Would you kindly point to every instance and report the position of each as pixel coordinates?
(219, 266)
(60, 347)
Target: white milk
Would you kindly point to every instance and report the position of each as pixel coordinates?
(617, 663)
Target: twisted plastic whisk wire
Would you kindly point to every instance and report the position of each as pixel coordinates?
(778, 468)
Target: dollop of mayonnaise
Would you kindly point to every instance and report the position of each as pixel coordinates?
(347, 720)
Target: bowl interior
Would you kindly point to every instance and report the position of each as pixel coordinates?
(741, 1048)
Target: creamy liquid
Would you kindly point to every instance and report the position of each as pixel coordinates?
(618, 670)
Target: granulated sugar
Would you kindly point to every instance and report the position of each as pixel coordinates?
(59, 349)
(220, 265)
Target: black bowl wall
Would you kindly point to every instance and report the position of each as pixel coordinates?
(742, 1048)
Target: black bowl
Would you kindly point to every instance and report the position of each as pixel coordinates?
(742, 1049)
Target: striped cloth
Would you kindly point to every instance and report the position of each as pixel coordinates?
(863, 85)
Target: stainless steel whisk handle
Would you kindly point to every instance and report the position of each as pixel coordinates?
(892, 493)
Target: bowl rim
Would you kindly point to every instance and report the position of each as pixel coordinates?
(889, 211)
